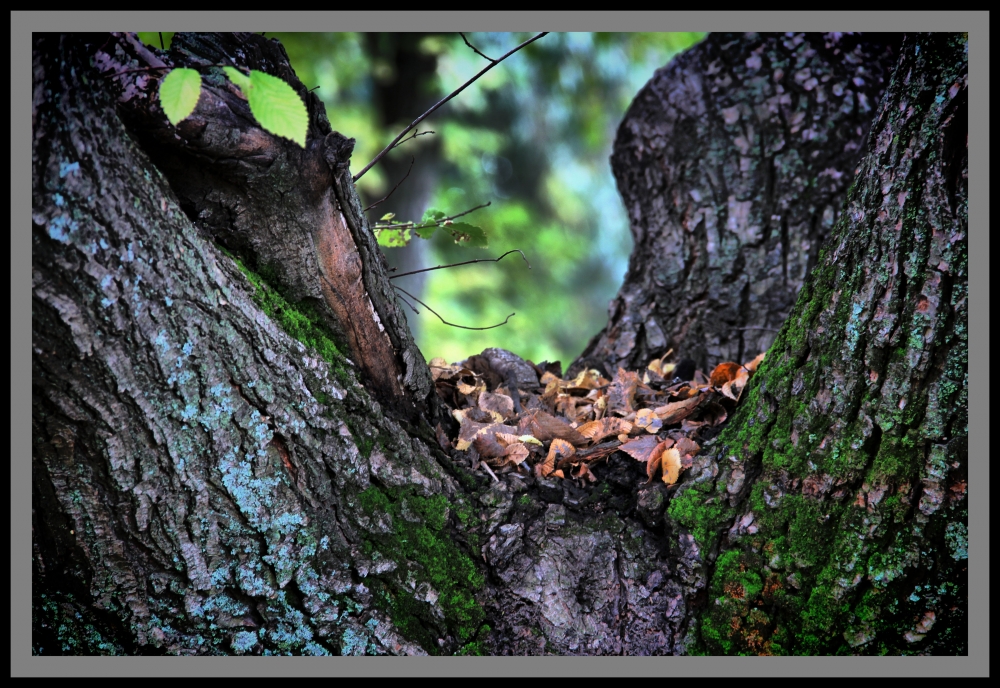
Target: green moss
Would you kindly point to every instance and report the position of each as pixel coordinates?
(301, 320)
(421, 535)
(701, 514)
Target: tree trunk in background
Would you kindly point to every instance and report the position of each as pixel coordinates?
(404, 89)
(205, 483)
(733, 162)
(833, 504)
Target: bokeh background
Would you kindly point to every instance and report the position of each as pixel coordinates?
(533, 137)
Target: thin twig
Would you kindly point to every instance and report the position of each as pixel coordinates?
(138, 69)
(488, 470)
(439, 223)
(412, 307)
(768, 329)
(463, 327)
(441, 102)
(465, 262)
(415, 135)
(161, 40)
(474, 48)
(412, 160)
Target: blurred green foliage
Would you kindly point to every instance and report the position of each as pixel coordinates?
(533, 136)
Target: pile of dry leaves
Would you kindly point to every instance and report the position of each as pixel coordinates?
(514, 415)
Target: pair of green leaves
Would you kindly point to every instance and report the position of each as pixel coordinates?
(462, 232)
(274, 104)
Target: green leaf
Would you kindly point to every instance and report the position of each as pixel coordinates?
(277, 107)
(179, 92)
(432, 215)
(387, 217)
(426, 232)
(468, 235)
(238, 78)
(394, 238)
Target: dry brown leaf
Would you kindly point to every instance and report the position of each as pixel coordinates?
(723, 373)
(641, 447)
(714, 413)
(653, 463)
(469, 430)
(516, 453)
(755, 363)
(558, 473)
(494, 402)
(557, 450)
(677, 410)
(548, 378)
(487, 446)
(597, 430)
(546, 427)
(647, 420)
(734, 388)
(670, 461)
(687, 447)
(621, 393)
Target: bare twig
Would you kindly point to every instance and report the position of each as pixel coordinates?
(441, 102)
(463, 327)
(412, 160)
(415, 135)
(412, 307)
(474, 48)
(488, 470)
(160, 34)
(465, 262)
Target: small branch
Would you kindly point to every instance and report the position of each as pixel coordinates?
(439, 223)
(474, 48)
(462, 327)
(160, 34)
(412, 307)
(441, 102)
(415, 135)
(138, 69)
(412, 160)
(488, 470)
(465, 262)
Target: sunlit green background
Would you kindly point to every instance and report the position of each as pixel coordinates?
(533, 136)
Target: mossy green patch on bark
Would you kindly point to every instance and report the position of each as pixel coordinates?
(431, 564)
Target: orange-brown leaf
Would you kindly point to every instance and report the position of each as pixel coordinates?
(723, 373)
(641, 447)
(516, 453)
(546, 427)
(677, 411)
(755, 363)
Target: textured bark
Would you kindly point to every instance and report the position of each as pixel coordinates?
(204, 483)
(732, 163)
(833, 508)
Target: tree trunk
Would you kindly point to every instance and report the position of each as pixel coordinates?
(224, 464)
(733, 163)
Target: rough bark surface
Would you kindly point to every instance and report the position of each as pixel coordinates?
(212, 476)
(733, 162)
(834, 514)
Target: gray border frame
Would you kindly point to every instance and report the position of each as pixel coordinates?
(975, 664)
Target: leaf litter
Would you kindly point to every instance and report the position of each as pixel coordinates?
(561, 427)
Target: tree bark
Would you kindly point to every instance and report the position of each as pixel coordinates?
(733, 163)
(228, 464)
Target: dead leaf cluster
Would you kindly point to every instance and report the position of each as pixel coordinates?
(566, 425)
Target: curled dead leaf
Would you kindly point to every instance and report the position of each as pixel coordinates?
(546, 427)
(496, 403)
(755, 363)
(641, 447)
(723, 373)
(670, 462)
(677, 411)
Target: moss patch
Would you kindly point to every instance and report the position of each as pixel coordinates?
(422, 538)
